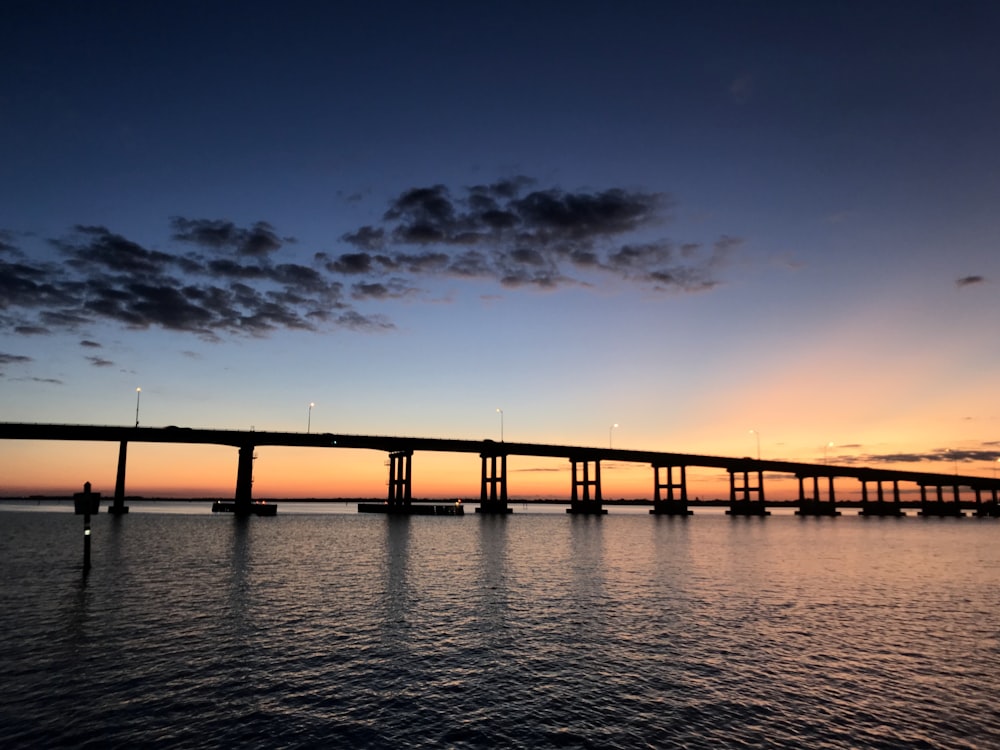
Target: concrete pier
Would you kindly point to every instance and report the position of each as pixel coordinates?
(880, 507)
(244, 480)
(400, 482)
(582, 500)
(118, 507)
(670, 497)
(746, 499)
(940, 508)
(815, 505)
(493, 484)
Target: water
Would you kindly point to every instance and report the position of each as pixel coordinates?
(337, 629)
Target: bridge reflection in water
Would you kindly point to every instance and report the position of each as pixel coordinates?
(880, 488)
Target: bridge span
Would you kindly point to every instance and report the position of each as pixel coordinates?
(880, 491)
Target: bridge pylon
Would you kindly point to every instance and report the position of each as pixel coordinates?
(118, 507)
(815, 505)
(493, 485)
(940, 506)
(673, 504)
(880, 507)
(746, 499)
(400, 484)
(244, 481)
(586, 493)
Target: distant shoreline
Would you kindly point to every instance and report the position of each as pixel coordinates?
(715, 503)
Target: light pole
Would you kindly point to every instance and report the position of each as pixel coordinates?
(500, 412)
(610, 433)
(756, 434)
(138, 392)
(309, 421)
(825, 447)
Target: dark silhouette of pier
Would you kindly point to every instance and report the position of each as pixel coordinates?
(880, 488)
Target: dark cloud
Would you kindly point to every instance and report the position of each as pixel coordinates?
(29, 330)
(223, 279)
(100, 362)
(351, 263)
(969, 281)
(392, 289)
(987, 452)
(257, 241)
(14, 359)
(232, 286)
(87, 344)
(515, 235)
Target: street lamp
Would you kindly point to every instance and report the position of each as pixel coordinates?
(500, 412)
(610, 432)
(757, 435)
(825, 447)
(138, 392)
(310, 419)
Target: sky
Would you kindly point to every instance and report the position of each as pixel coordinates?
(727, 228)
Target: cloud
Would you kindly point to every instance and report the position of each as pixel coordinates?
(86, 343)
(969, 281)
(14, 359)
(257, 241)
(986, 452)
(215, 278)
(100, 362)
(231, 284)
(517, 235)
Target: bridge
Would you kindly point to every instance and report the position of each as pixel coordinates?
(880, 488)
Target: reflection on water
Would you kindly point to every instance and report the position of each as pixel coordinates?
(530, 630)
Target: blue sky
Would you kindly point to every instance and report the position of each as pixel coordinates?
(689, 219)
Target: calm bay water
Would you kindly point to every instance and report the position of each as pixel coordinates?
(327, 628)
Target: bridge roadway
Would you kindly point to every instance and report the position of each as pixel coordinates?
(670, 495)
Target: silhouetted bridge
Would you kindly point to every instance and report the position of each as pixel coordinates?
(880, 493)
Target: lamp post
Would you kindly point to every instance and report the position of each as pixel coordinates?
(825, 447)
(756, 434)
(610, 434)
(500, 412)
(310, 419)
(138, 392)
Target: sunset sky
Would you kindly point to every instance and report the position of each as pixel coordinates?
(692, 220)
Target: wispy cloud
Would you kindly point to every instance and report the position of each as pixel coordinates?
(13, 359)
(985, 453)
(223, 279)
(969, 281)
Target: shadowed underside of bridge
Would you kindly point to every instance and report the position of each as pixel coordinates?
(746, 475)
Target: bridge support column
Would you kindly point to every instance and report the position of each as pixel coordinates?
(670, 505)
(815, 506)
(580, 500)
(989, 509)
(118, 507)
(940, 507)
(400, 485)
(492, 499)
(880, 507)
(741, 502)
(244, 480)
